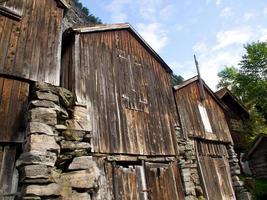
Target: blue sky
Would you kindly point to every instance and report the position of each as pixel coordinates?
(214, 30)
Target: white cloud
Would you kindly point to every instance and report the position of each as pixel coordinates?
(200, 47)
(248, 16)
(265, 11)
(217, 2)
(116, 8)
(154, 35)
(239, 35)
(263, 35)
(226, 12)
(180, 27)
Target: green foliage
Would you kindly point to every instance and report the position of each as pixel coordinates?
(92, 18)
(177, 79)
(249, 83)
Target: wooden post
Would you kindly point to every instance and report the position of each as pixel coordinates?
(201, 88)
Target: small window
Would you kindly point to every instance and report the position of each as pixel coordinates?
(12, 8)
(204, 117)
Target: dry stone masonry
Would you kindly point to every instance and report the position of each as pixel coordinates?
(240, 191)
(56, 161)
(189, 168)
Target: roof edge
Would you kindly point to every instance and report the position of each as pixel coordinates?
(227, 91)
(122, 26)
(255, 145)
(64, 3)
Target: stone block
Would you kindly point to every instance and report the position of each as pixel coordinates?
(77, 196)
(61, 112)
(37, 157)
(235, 178)
(44, 115)
(244, 196)
(42, 103)
(73, 145)
(79, 125)
(37, 127)
(67, 98)
(47, 96)
(37, 142)
(84, 179)
(52, 189)
(61, 127)
(31, 198)
(238, 183)
(73, 135)
(83, 162)
(35, 171)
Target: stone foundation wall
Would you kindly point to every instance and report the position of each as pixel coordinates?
(240, 191)
(55, 163)
(189, 168)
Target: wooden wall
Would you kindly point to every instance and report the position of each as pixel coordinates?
(128, 93)
(187, 99)
(8, 172)
(30, 47)
(157, 181)
(13, 105)
(258, 160)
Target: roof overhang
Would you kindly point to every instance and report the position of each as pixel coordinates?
(64, 4)
(124, 26)
(224, 91)
(256, 144)
(194, 79)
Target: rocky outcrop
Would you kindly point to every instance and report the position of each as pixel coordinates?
(55, 162)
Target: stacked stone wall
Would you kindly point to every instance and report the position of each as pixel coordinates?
(240, 191)
(189, 168)
(56, 161)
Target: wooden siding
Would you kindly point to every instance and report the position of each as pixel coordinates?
(164, 182)
(128, 93)
(30, 47)
(157, 181)
(8, 172)
(217, 178)
(187, 100)
(13, 104)
(258, 160)
(214, 170)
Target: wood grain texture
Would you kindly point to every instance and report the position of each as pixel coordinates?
(187, 100)
(30, 46)
(13, 105)
(128, 93)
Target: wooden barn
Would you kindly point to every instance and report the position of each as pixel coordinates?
(127, 89)
(237, 116)
(203, 121)
(257, 158)
(30, 47)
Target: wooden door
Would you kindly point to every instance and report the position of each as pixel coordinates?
(164, 182)
(155, 181)
(217, 178)
(129, 183)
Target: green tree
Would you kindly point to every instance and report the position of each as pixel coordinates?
(249, 83)
(93, 19)
(177, 79)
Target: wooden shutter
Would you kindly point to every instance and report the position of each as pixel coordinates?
(12, 8)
